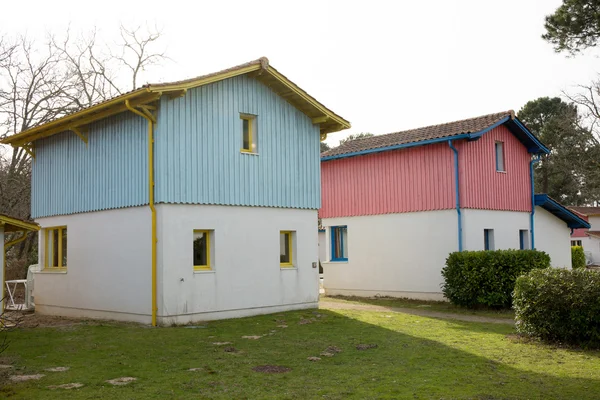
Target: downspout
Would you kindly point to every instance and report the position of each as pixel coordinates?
(457, 190)
(151, 121)
(531, 219)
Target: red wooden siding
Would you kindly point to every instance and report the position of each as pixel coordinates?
(481, 186)
(413, 179)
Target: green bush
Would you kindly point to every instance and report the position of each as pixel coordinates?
(476, 278)
(559, 305)
(577, 257)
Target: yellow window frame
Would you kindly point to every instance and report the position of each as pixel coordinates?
(289, 264)
(250, 119)
(207, 235)
(60, 230)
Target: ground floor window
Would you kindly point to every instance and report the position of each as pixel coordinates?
(56, 247)
(488, 239)
(576, 243)
(524, 239)
(339, 243)
(202, 249)
(286, 249)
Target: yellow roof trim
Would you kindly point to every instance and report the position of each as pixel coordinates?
(153, 92)
(308, 98)
(17, 224)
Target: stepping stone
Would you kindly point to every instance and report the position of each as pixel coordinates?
(282, 326)
(366, 346)
(121, 381)
(327, 354)
(304, 321)
(57, 369)
(66, 386)
(271, 369)
(23, 378)
(195, 369)
(314, 358)
(253, 337)
(221, 343)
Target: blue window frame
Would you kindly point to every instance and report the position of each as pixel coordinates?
(488, 239)
(339, 243)
(499, 149)
(524, 239)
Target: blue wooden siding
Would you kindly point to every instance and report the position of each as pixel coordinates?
(110, 172)
(198, 141)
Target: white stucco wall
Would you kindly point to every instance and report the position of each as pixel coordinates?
(246, 277)
(398, 255)
(506, 226)
(553, 236)
(595, 223)
(108, 267)
(322, 247)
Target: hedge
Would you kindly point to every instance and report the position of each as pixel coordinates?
(487, 278)
(577, 257)
(559, 305)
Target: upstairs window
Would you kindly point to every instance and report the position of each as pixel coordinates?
(339, 243)
(524, 239)
(56, 247)
(286, 249)
(576, 243)
(488, 239)
(201, 255)
(249, 134)
(500, 157)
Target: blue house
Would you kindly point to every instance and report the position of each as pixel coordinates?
(183, 201)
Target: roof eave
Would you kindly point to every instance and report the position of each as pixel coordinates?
(572, 220)
(17, 224)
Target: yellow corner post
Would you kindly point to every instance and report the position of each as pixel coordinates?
(151, 121)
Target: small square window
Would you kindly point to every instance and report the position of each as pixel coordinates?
(339, 243)
(488, 239)
(202, 249)
(56, 247)
(249, 133)
(524, 239)
(500, 157)
(576, 243)
(286, 249)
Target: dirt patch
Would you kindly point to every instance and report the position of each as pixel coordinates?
(366, 346)
(313, 358)
(271, 369)
(253, 337)
(23, 378)
(125, 380)
(230, 349)
(333, 349)
(32, 320)
(5, 366)
(304, 321)
(326, 354)
(67, 386)
(57, 369)
(282, 326)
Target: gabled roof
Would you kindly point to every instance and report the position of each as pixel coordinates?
(587, 211)
(11, 224)
(554, 207)
(258, 69)
(595, 234)
(471, 128)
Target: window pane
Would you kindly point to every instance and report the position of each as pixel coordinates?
(246, 134)
(344, 234)
(200, 249)
(50, 248)
(499, 156)
(64, 248)
(284, 248)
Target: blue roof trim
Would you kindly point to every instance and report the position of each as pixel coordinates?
(534, 145)
(549, 204)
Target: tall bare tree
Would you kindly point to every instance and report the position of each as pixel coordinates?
(40, 82)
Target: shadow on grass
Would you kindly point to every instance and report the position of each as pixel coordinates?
(416, 357)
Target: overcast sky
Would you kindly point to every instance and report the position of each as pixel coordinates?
(383, 65)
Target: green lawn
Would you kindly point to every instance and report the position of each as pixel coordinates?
(416, 357)
(438, 306)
